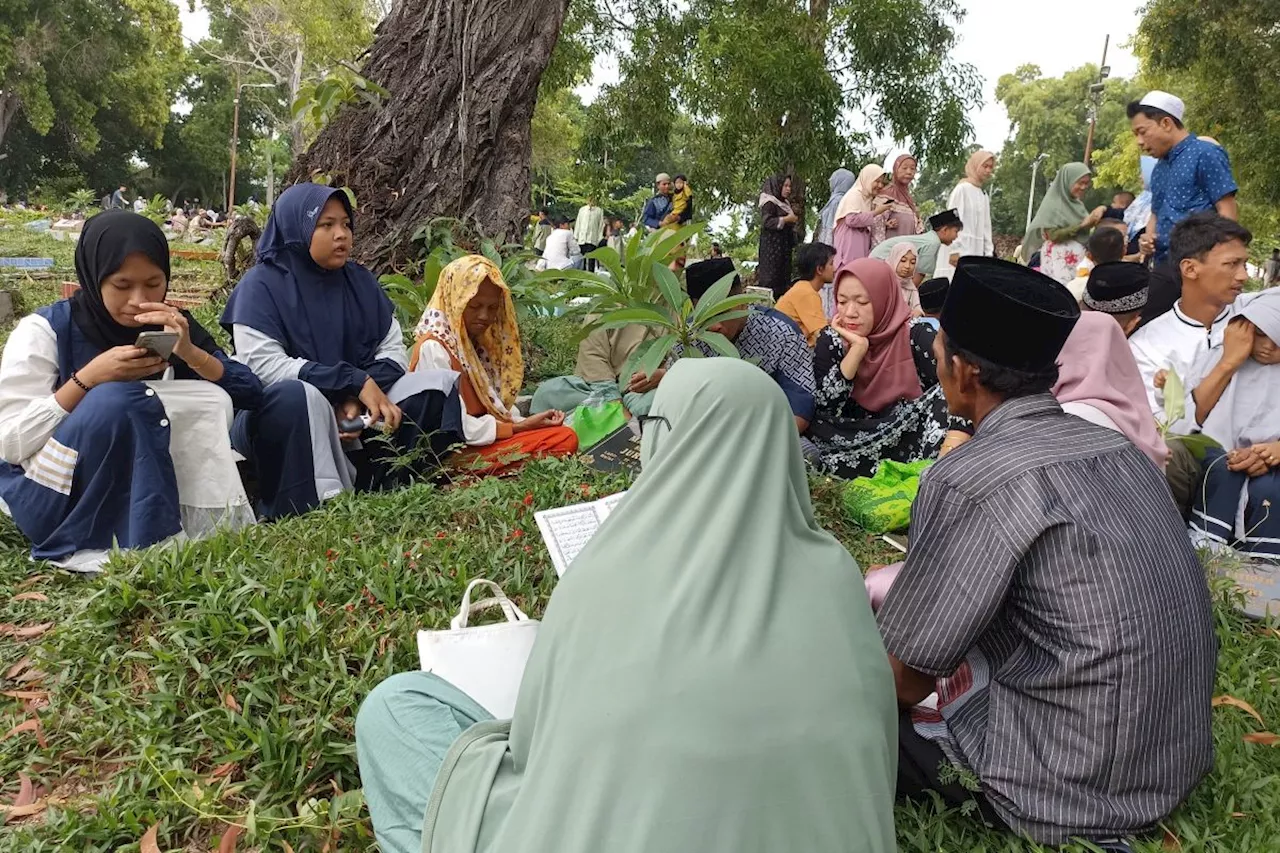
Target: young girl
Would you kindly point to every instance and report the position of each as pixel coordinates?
(103, 442)
(470, 329)
(878, 393)
(902, 260)
(1236, 402)
(319, 332)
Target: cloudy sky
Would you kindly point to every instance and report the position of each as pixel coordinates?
(996, 37)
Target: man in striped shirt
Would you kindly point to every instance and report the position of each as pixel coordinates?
(1050, 596)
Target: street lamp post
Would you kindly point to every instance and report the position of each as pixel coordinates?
(1031, 198)
(1095, 100)
(235, 135)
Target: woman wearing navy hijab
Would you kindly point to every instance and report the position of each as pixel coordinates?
(322, 336)
(104, 443)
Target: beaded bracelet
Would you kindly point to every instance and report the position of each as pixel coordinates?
(83, 387)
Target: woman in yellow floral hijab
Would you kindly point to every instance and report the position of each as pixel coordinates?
(470, 328)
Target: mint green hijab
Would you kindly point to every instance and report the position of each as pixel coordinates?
(1058, 209)
(708, 676)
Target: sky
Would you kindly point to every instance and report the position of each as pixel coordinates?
(995, 37)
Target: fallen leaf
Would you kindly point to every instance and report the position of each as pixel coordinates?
(230, 701)
(1239, 814)
(30, 632)
(31, 725)
(148, 844)
(222, 770)
(1238, 703)
(26, 790)
(25, 694)
(32, 581)
(288, 848)
(13, 671)
(32, 676)
(27, 803)
(1264, 738)
(228, 842)
(1171, 841)
(30, 596)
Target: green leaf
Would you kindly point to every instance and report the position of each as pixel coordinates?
(719, 343)
(717, 312)
(708, 305)
(1198, 443)
(669, 286)
(606, 256)
(666, 247)
(1175, 398)
(655, 354)
(627, 316)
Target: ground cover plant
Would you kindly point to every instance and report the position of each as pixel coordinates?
(207, 694)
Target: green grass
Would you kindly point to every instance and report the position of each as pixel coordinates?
(219, 682)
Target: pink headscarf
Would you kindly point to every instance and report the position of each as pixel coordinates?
(1096, 367)
(887, 373)
(897, 190)
(908, 285)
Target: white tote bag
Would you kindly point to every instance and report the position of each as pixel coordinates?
(484, 661)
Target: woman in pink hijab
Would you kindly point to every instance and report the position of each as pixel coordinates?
(902, 260)
(877, 382)
(1099, 381)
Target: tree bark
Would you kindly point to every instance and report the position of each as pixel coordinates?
(453, 139)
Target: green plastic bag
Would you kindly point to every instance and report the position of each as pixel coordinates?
(593, 424)
(882, 504)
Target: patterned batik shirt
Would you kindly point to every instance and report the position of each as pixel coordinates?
(771, 340)
(1051, 587)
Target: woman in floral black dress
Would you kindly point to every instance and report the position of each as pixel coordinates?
(777, 235)
(877, 386)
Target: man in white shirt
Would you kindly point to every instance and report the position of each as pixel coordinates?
(1210, 251)
(561, 252)
(588, 228)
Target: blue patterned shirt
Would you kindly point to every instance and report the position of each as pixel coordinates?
(1194, 176)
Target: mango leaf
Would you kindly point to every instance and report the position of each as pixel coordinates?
(627, 316)
(609, 259)
(1175, 398)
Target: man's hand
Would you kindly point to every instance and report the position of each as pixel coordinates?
(1268, 453)
(350, 410)
(380, 407)
(1159, 379)
(1237, 342)
(1147, 243)
(642, 384)
(1248, 460)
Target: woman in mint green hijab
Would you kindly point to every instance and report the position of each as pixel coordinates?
(708, 676)
(1061, 223)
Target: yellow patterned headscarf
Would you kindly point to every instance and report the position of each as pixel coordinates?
(493, 363)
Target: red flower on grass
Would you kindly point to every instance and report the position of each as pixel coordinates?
(528, 499)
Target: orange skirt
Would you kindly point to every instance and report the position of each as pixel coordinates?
(508, 454)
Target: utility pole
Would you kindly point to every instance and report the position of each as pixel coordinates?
(235, 143)
(1031, 198)
(1095, 100)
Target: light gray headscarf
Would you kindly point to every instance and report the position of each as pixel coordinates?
(842, 181)
(1248, 412)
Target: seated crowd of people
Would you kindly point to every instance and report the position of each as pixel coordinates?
(1049, 633)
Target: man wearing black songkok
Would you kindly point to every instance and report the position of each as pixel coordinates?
(1120, 289)
(1050, 596)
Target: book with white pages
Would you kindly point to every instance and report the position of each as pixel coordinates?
(567, 529)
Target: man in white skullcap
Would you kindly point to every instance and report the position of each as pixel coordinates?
(1193, 174)
(656, 208)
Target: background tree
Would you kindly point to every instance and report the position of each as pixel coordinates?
(83, 84)
(1222, 57)
(1050, 115)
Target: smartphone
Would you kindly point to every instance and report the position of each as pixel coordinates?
(157, 343)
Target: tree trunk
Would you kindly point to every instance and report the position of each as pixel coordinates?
(9, 105)
(453, 138)
(271, 172)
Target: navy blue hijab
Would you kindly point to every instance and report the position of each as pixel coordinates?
(325, 316)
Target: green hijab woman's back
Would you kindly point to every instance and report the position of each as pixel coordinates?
(708, 676)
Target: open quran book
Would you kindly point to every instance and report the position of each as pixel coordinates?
(567, 529)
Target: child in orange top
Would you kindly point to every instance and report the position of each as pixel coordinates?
(806, 301)
(470, 328)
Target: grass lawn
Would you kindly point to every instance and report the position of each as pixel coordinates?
(215, 684)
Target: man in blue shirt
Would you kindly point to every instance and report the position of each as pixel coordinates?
(1193, 174)
(656, 208)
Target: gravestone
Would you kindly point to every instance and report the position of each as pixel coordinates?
(6, 307)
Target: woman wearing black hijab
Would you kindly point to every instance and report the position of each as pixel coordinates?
(103, 443)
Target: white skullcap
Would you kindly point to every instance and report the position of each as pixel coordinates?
(1170, 104)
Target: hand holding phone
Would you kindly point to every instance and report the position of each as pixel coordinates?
(159, 344)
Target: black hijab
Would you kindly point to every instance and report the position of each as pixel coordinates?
(107, 239)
